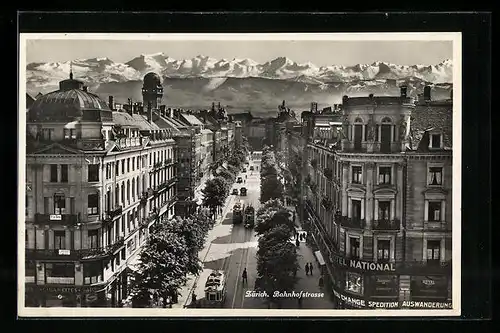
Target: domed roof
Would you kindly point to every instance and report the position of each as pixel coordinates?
(152, 80)
(68, 103)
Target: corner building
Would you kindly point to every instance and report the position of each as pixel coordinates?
(97, 179)
(380, 200)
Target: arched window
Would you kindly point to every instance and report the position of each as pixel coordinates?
(358, 120)
(138, 187)
(387, 120)
(117, 195)
(123, 193)
(133, 189)
(128, 190)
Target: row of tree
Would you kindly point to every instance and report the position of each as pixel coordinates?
(217, 189)
(277, 259)
(271, 186)
(169, 255)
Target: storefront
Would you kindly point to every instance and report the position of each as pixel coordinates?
(427, 288)
(60, 296)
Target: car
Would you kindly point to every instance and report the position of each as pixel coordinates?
(252, 168)
(235, 191)
(239, 180)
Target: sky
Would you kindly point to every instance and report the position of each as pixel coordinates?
(320, 53)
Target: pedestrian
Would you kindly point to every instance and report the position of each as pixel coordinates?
(321, 282)
(307, 269)
(311, 268)
(244, 276)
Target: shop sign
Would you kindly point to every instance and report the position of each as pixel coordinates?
(56, 217)
(64, 252)
(352, 301)
(363, 265)
(71, 290)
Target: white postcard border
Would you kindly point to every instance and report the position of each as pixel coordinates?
(455, 37)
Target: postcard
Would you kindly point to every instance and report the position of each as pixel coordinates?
(239, 175)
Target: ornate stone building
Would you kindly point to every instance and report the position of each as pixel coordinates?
(96, 181)
(378, 193)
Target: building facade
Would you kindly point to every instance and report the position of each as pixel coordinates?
(378, 193)
(97, 179)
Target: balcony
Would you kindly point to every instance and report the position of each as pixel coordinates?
(66, 219)
(114, 212)
(169, 161)
(171, 181)
(387, 224)
(354, 223)
(325, 202)
(144, 223)
(157, 166)
(328, 173)
(82, 254)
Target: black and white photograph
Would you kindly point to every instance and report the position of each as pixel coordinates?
(172, 175)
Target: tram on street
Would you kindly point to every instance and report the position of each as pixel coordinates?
(238, 210)
(215, 289)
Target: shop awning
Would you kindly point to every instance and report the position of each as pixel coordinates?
(319, 257)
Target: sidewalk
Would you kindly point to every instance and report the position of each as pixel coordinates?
(192, 283)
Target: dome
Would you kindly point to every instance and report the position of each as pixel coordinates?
(152, 80)
(68, 105)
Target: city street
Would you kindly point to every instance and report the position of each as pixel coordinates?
(231, 248)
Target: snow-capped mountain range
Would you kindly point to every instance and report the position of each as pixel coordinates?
(103, 70)
(241, 84)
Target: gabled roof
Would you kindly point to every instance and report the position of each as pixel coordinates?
(56, 148)
(191, 119)
(29, 100)
(437, 117)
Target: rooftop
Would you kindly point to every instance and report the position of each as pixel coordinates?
(435, 116)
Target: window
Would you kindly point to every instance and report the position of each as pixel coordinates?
(92, 237)
(138, 161)
(47, 133)
(53, 173)
(64, 173)
(46, 208)
(435, 176)
(356, 174)
(59, 204)
(117, 169)
(128, 191)
(92, 272)
(384, 208)
(123, 166)
(72, 206)
(60, 239)
(133, 189)
(128, 164)
(93, 204)
(435, 141)
(69, 133)
(383, 250)
(133, 163)
(66, 133)
(93, 172)
(60, 269)
(354, 247)
(433, 250)
(123, 193)
(434, 211)
(384, 175)
(356, 209)
(30, 268)
(354, 283)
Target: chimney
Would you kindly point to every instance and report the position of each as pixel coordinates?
(403, 90)
(427, 93)
(213, 106)
(111, 103)
(219, 105)
(150, 112)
